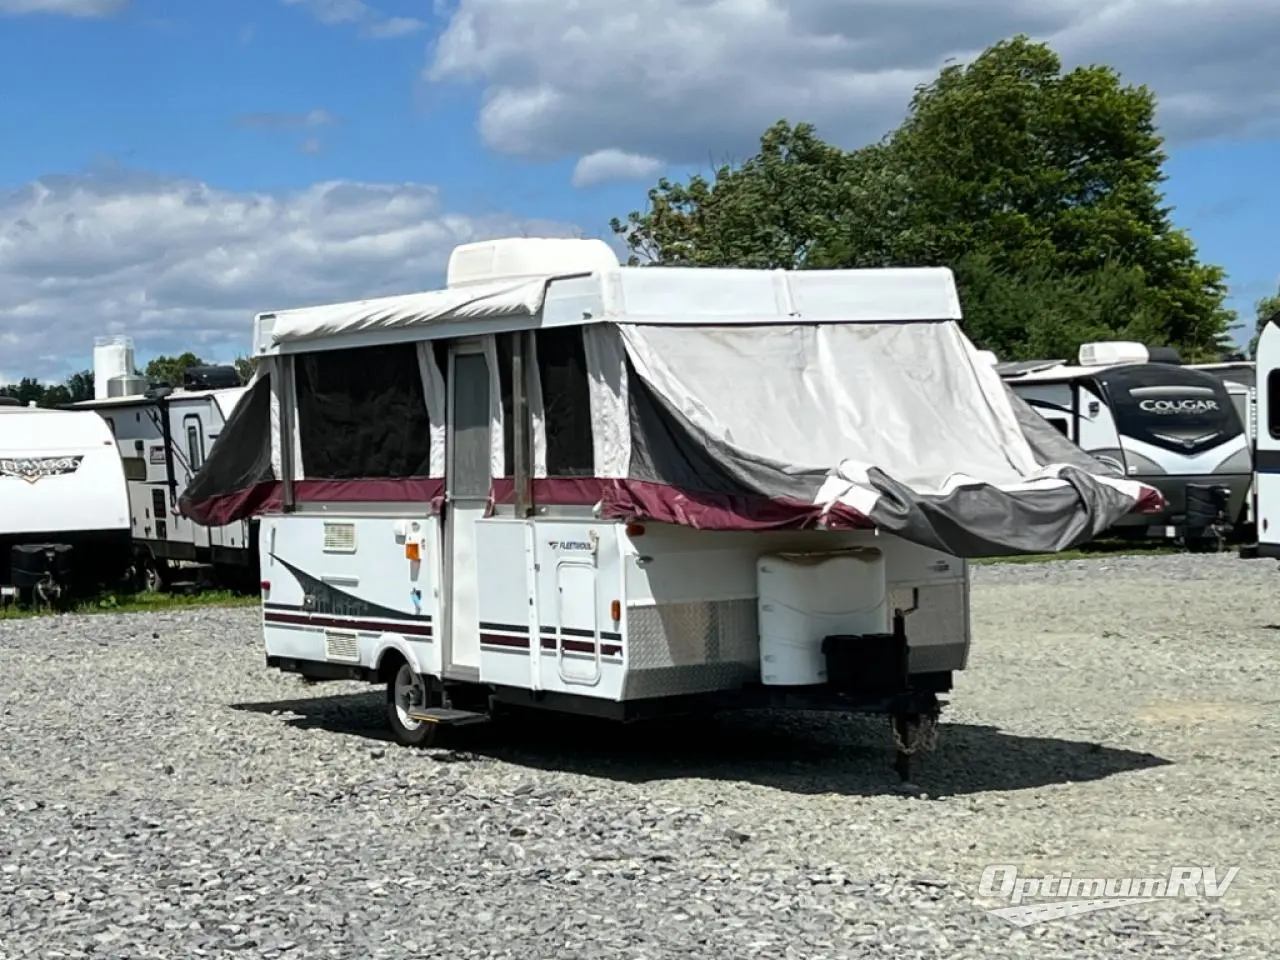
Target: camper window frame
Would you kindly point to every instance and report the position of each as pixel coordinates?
(1273, 403)
(520, 467)
(581, 395)
(291, 446)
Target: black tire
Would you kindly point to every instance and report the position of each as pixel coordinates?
(407, 733)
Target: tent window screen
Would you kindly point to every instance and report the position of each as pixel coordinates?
(566, 401)
(362, 413)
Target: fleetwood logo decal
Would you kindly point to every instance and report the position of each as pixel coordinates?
(32, 469)
(1166, 407)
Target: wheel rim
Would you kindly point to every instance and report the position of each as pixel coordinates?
(409, 695)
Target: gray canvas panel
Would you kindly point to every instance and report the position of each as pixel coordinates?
(985, 521)
(1048, 444)
(667, 447)
(696, 406)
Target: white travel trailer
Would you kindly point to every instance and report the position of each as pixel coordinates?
(1239, 377)
(1170, 426)
(164, 433)
(627, 492)
(1266, 461)
(64, 508)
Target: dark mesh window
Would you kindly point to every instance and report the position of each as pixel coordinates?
(362, 413)
(566, 400)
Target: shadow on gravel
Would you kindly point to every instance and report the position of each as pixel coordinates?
(798, 753)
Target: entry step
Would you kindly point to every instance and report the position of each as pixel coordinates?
(448, 717)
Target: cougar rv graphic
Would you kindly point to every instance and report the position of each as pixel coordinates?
(33, 469)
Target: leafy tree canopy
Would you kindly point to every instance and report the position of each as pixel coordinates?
(169, 370)
(1040, 189)
(77, 387)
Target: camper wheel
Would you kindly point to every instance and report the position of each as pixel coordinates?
(406, 693)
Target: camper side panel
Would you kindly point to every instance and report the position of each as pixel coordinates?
(545, 600)
(692, 622)
(345, 590)
(1266, 459)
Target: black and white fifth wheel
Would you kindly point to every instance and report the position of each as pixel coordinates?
(1174, 427)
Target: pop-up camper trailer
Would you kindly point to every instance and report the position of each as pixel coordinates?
(1170, 426)
(164, 432)
(64, 509)
(629, 491)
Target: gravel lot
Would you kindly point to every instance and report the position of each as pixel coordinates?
(162, 794)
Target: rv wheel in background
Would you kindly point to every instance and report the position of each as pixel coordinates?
(406, 692)
(149, 575)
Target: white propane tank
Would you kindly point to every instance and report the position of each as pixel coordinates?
(805, 597)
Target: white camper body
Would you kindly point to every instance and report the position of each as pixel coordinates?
(164, 437)
(1267, 445)
(1174, 427)
(567, 484)
(1239, 377)
(64, 510)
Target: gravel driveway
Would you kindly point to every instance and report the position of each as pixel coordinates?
(162, 794)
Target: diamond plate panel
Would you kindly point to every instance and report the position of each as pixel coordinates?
(680, 648)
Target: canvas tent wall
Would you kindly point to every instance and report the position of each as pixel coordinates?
(715, 399)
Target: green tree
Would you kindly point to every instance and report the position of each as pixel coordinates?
(26, 391)
(770, 212)
(78, 386)
(170, 369)
(1040, 189)
(245, 366)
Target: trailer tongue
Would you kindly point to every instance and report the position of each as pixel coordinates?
(626, 492)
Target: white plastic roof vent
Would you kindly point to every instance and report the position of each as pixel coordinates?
(526, 258)
(1109, 352)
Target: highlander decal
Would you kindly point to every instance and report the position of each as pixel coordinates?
(327, 599)
(33, 469)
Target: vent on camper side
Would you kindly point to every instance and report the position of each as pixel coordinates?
(341, 645)
(339, 537)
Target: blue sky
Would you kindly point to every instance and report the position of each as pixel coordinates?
(168, 169)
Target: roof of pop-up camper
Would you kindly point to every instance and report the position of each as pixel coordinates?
(720, 399)
(501, 285)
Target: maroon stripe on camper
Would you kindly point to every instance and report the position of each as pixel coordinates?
(348, 623)
(620, 499)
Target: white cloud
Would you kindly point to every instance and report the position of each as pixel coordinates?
(178, 263)
(607, 165)
(394, 27)
(679, 79)
(371, 22)
(65, 8)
